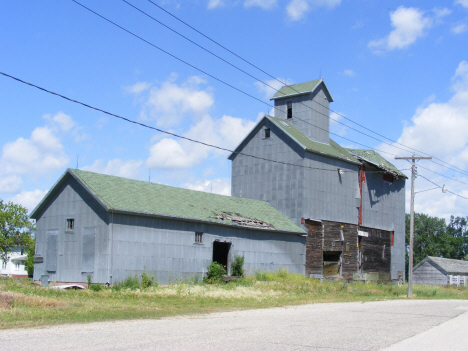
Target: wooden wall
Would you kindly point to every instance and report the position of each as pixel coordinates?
(325, 238)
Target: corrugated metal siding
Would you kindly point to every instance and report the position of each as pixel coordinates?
(312, 109)
(167, 248)
(383, 207)
(72, 201)
(297, 192)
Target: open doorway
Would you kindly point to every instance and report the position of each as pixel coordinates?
(221, 253)
(331, 263)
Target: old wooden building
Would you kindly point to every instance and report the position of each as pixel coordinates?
(111, 227)
(441, 271)
(351, 201)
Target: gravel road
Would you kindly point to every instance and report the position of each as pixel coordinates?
(396, 325)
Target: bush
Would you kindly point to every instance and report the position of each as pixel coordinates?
(148, 280)
(215, 273)
(237, 266)
(130, 282)
(95, 287)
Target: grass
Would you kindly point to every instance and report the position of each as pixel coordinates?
(25, 305)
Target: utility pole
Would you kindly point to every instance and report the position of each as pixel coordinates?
(413, 177)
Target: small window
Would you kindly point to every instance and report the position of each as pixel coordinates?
(4, 265)
(17, 266)
(392, 238)
(387, 178)
(289, 104)
(199, 237)
(267, 133)
(70, 224)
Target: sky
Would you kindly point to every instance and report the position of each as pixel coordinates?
(395, 68)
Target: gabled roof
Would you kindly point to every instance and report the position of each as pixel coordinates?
(301, 89)
(331, 150)
(138, 197)
(374, 158)
(447, 265)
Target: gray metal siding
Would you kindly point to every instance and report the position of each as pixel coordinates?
(383, 207)
(167, 248)
(429, 275)
(72, 201)
(89, 248)
(314, 190)
(310, 114)
(51, 251)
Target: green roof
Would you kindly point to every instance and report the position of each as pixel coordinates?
(377, 160)
(121, 194)
(297, 89)
(332, 149)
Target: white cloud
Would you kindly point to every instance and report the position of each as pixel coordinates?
(116, 167)
(298, 9)
(273, 86)
(226, 132)
(409, 25)
(65, 122)
(463, 3)
(441, 12)
(439, 129)
(42, 153)
(137, 88)
(170, 103)
(264, 4)
(349, 73)
(29, 199)
(212, 4)
(220, 186)
(459, 28)
(10, 183)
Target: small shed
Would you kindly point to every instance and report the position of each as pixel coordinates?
(441, 271)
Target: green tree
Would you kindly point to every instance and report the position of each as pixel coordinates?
(29, 262)
(15, 228)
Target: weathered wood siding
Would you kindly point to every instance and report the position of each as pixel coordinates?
(376, 251)
(331, 237)
(429, 275)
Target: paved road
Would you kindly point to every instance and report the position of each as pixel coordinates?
(390, 325)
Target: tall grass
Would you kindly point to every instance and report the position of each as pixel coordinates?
(26, 305)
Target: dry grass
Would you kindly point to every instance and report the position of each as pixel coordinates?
(24, 305)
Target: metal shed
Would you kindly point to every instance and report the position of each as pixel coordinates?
(441, 271)
(112, 227)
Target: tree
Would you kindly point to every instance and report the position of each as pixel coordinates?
(434, 237)
(15, 228)
(29, 262)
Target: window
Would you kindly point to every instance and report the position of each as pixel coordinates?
(17, 266)
(267, 133)
(199, 237)
(4, 264)
(70, 224)
(387, 178)
(289, 104)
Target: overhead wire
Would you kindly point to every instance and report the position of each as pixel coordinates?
(437, 185)
(171, 133)
(220, 80)
(447, 165)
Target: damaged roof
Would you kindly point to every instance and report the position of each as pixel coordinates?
(374, 158)
(134, 196)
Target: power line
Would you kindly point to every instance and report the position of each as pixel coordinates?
(437, 185)
(258, 79)
(170, 133)
(442, 175)
(450, 166)
(220, 80)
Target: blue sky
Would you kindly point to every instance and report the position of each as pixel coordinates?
(399, 68)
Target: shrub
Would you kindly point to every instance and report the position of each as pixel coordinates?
(237, 266)
(95, 287)
(147, 280)
(215, 273)
(130, 282)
